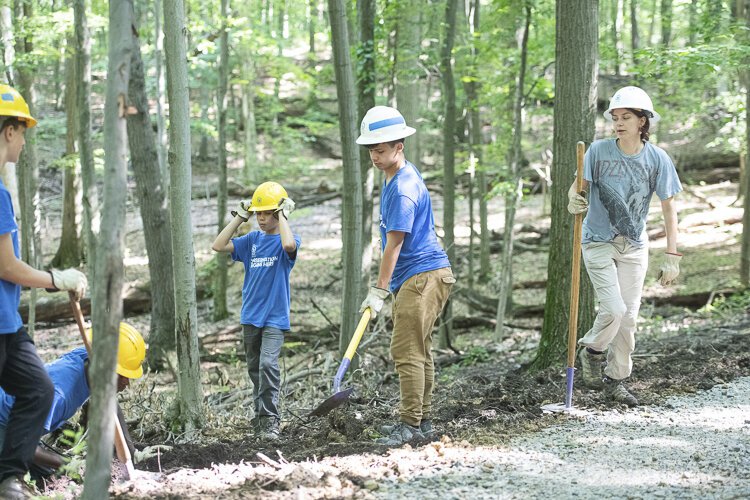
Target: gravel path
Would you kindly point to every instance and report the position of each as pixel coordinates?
(695, 446)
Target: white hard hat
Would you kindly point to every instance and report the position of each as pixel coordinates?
(632, 97)
(383, 124)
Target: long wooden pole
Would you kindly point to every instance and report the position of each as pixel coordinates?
(575, 281)
(121, 447)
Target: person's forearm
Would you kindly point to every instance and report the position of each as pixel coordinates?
(18, 272)
(287, 237)
(670, 224)
(222, 240)
(388, 264)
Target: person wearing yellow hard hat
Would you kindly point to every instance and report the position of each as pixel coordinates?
(22, 373)
(69, 376)
(268, 255)
(621, 174)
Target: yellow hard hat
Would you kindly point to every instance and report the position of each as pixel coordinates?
(13, 104)
(130, 352)
(267, 196)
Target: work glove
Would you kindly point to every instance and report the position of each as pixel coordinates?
(669, 269)
(374, 300)
(72, 280)
(243, 212)
(577, 203)
(286, 207)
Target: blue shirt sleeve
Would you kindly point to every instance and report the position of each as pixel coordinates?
(241, 246)
(402, 210)
(667, 182)
(7, 219)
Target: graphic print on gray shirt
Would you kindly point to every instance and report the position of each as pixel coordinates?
(621, 190)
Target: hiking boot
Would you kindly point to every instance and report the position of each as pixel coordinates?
(269, 428)
(15, 488)
(617, 392)
(425, 427)
(592, 370)
(401, 433)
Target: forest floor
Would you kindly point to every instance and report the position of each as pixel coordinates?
(689, 438)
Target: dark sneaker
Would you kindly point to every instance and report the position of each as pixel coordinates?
(617, 391)
(592, 368)
(425, 427)
(269, 428)
(14, 488)
(401, 433)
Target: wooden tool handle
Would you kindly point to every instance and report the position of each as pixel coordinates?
(575, 280)
(121, 447)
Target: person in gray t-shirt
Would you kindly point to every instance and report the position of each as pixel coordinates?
(621, 175)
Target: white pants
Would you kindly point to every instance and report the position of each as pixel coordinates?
(617, 270)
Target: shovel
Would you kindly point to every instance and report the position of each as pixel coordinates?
(574, 287)
(340, 397)
(121, 447)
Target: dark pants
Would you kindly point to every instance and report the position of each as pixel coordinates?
(262, 349)
(22, 375)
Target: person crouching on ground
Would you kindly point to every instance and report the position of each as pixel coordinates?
(22, 373)
(69, 375)
(414, 267)
(622, 173)
(268, 256)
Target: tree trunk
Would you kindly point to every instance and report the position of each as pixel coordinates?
(614, 32)
(190, 397)
(574, 113)
(161, 137)
(449, 130)
(514, 198)
(108, 312)
(408, 49)
(351, 208)
(311, 17)
(666, 22)
(152, 201)
(70, 251)
(366, 85)
(220, 274)
(6, 29)
(635, 40)
(205, 103)
(745, 250)
(28, 168)
(249, 172)
(90, 197)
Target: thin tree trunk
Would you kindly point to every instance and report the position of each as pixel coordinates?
(28, 169)
(407, 71)
(311, 17)
(666, 22)
(161, 136)
(513, 199)
(190, 397)
(109, 264)
(205, 104)
(615, 7)
(635, 40)
(70, 250)
(250, 169)
(366, 86)
(745, 250)
(220, 274)
(6, 28)
(576, 58)
(90, 198)
(449, 130)
(351, 208)
(152, 201)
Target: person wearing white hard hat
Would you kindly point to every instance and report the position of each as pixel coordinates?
(22, 373)
(414, 268)
(621, 175)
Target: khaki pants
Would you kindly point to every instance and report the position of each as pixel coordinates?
(416, 307)
(617, 270)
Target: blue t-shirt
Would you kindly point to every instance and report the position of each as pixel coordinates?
(405, 206)
(266, 296)
(621, 190)
(10, 293)
(71, 390)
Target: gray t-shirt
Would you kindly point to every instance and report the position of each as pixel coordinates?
(621, 187)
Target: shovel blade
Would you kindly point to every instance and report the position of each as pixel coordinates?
(332, 403)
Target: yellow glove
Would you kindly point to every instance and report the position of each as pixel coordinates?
(669, 269)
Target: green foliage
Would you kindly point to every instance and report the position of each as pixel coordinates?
(726, 307)
(476, 355)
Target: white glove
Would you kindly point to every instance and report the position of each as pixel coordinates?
(669, 269)
(286, 207)
(243, 212)
(69, 279)
(577, 204)
(374, 300)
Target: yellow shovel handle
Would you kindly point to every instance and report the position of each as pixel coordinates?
(361, 327)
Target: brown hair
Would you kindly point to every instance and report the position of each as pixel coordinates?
(643, 114)
(390, 143)
(10, 121)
